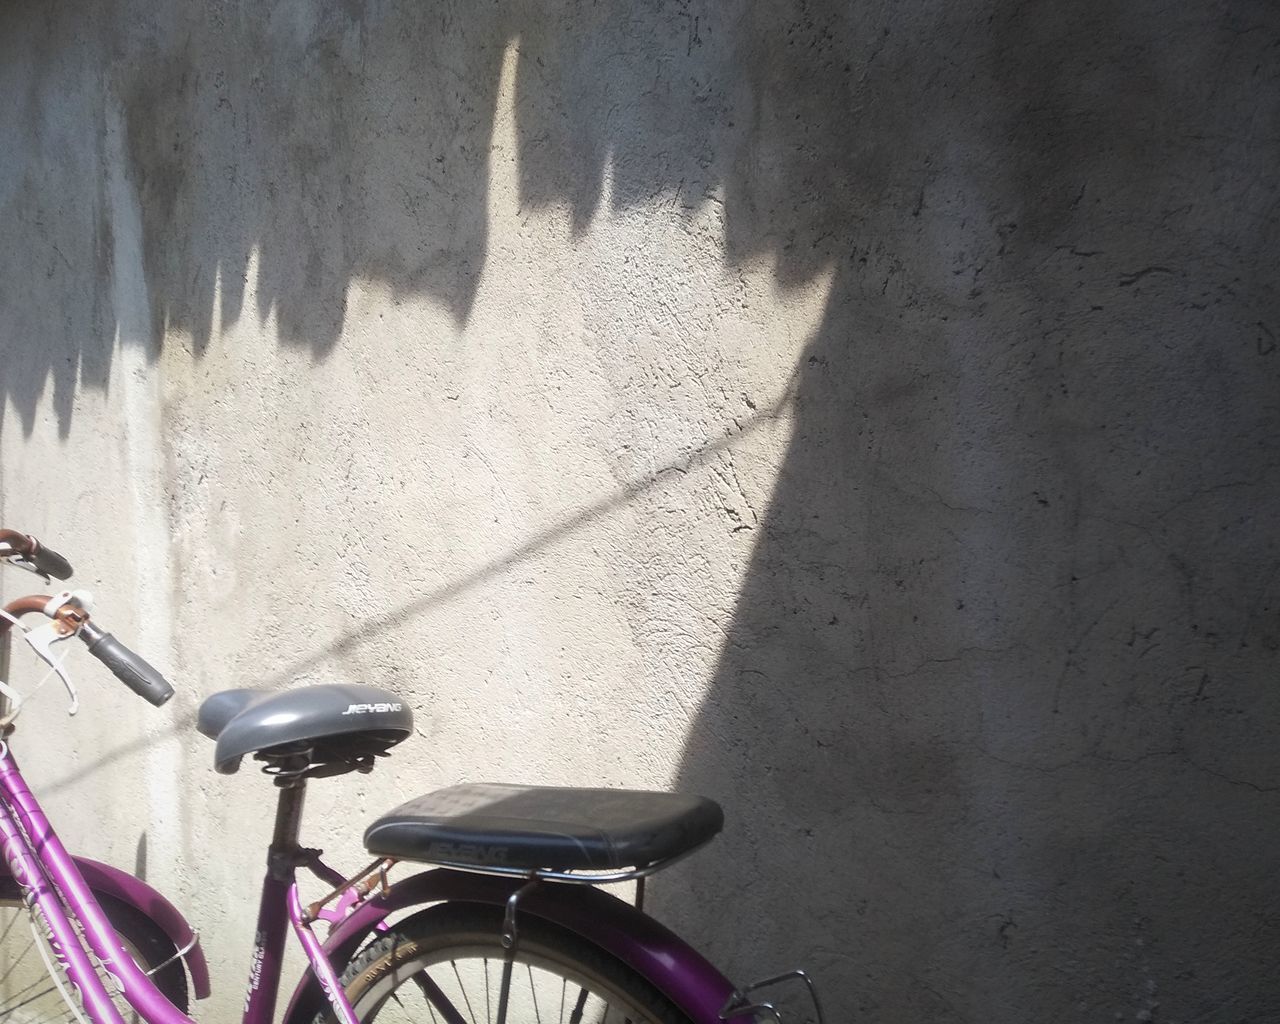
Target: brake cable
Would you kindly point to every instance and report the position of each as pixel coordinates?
(41, 640)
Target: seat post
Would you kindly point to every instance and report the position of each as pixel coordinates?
(282, 857)
(273, 909)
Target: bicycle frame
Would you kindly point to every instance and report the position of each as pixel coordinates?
(48, 875)
(42, 867)
(85, 944)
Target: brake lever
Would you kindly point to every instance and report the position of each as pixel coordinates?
(22, 563)
(41, 640)
(16, 558)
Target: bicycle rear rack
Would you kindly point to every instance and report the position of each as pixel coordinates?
(373, 877)
(740, 1003)
(575, 876)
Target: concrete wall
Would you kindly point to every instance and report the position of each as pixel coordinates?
(865, 414)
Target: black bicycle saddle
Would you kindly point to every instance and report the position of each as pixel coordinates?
(331, 724)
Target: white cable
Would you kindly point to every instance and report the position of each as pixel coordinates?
(14, 696)
(19, 700)
(50, 674)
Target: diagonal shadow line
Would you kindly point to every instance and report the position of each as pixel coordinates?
(539, 542)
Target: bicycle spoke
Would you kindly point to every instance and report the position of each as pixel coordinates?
(427, 953)
(436, 998)
(26, 1002)
(13, 966)
(533, 994)
(10, 1006)
(13, 919)
(431, 1010)
(64, 1014)
(463, 989)
(40, 979)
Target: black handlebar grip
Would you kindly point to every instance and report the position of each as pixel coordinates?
(130, 669)
(50, 563)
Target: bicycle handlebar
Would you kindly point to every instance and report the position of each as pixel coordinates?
(129, 668)
(40, 557)
(49, 562)
(135, 672)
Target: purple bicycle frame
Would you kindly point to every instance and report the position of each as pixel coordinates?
(48, 874)
(42, 867)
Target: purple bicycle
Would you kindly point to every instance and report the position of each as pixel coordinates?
(505, 925)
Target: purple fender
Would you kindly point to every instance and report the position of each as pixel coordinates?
(656, 953)
(103, 878)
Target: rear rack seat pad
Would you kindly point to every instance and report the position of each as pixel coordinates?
(558, 829)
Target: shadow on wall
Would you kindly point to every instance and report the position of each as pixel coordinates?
(163, 159)
(996, 720)
(994, 723)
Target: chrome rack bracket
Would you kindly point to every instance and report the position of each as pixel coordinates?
(741, 1004)
(510, 939)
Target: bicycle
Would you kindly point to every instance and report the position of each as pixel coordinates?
(507, 917)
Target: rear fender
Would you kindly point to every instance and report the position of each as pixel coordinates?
(128, 889)
(655, 952)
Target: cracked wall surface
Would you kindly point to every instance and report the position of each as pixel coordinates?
(864, 415)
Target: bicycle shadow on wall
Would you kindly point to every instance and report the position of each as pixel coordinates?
(988, 723)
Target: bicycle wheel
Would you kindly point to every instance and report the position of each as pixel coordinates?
(28, 995)
(444, 966)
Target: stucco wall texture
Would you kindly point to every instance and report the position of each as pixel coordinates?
(864, 414)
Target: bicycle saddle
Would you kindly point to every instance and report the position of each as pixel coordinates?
(558, 829)
(336, 726)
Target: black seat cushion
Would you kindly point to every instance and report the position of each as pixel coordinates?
(559, 829)
(332, 721)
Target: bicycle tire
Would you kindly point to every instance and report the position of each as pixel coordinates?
(581, 983)
(24, 1000)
